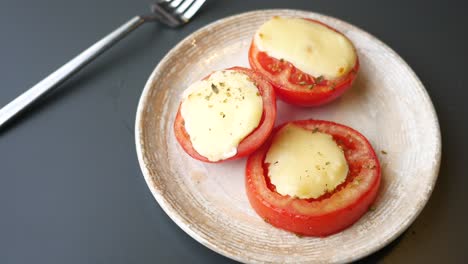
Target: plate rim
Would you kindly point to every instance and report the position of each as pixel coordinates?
(173, 214)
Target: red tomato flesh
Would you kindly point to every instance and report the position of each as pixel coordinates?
(295, 86)
(333, 211)
(255, 139)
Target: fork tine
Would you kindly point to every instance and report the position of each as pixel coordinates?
(165, 15)
(190, 12)
(185, 4)
(175, 12)
(175, 3)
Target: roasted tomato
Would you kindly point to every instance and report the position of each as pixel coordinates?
(252, 141)
(333, 211)
(295, 86)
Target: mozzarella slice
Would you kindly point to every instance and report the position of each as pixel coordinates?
(305, 164)
(220, 112)
(311, 47)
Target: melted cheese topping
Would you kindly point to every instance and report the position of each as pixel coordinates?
(310, 47)
(221, 111)
(305, 164)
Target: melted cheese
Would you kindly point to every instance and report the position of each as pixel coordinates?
(221, 111)
(305, 164)
(310, 47)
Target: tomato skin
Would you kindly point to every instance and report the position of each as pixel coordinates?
(325, 215)
(283, 76)
(255, 139)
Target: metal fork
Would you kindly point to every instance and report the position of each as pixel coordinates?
(172, 13)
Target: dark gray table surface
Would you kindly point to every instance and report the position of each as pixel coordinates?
(71, 190)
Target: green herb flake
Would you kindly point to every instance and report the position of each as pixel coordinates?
(383, 152)
(319, 79)
(258, 93)
(372, 208)
(327, 163)
(311, 86)
(315, 130)
(214, 88)
(208, 96)
(222, 114)
(225, 100)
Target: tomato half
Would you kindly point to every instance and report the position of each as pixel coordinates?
(255, 139)
(333, 211)
(295, 86)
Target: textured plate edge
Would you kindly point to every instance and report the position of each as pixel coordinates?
(186, 226)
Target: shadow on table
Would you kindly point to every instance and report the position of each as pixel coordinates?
(379, 255)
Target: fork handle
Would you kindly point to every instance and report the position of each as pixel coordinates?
(45, 86)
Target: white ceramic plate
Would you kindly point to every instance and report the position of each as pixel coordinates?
(388, 104)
